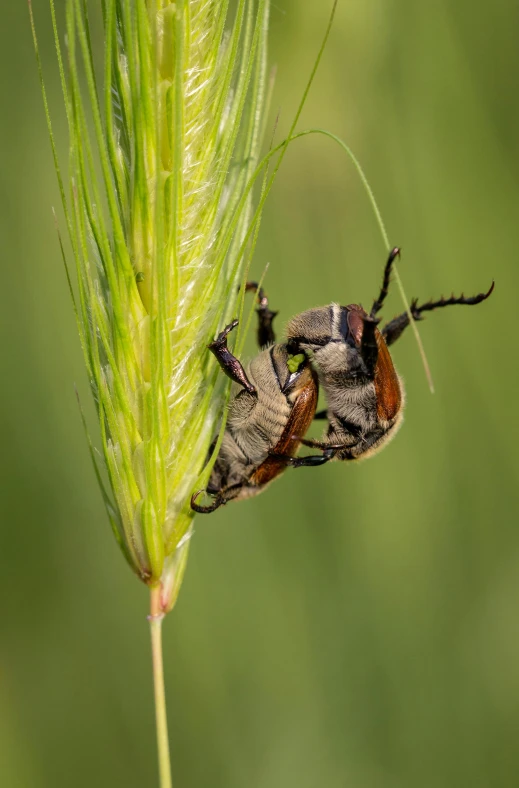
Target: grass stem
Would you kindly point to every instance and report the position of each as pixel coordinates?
(155, 618)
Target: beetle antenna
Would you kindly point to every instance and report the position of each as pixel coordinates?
(377, 305)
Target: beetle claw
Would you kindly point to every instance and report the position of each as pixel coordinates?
(217, 502)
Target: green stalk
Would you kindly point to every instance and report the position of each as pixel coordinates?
(155, 618)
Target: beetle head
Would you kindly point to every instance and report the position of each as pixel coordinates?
(348, 351)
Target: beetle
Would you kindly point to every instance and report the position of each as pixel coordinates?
(272, 401)
(338, 347)
(364, 393)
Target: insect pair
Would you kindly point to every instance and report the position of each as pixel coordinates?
(337, 347)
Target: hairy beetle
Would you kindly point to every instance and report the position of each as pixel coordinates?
(274, 400)
(338, 347)
(364, 393)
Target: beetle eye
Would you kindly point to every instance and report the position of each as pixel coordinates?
(356, 325)
(351, 324)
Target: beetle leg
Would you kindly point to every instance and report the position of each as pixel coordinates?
(310, 461)
(217, 502)
(229, 363)
(377, 305)
(220, 499)
(368, 345)
(344, 449)
(320, 444)
(321, 414)
(265, 331)
(313, 460)
(392, 330)
(430, 305)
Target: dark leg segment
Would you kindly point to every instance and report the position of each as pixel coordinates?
(312, 444)
(265, 331)
(205, 509)
(377, 305)
(220, 499)
(229, 363)
(392, 330)
(307, 462)
(368, 345)
(430, 305)
(345, 451)
(322, 414)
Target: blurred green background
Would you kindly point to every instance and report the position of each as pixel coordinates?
(353, 626)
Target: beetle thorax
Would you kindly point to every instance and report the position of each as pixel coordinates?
(339, 364)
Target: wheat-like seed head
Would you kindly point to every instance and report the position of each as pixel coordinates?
(162, 155)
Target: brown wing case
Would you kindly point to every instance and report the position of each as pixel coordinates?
(300, 420)
(387, 385)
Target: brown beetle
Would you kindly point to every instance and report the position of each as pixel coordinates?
(273, 401)
(364, 393)
(268, 418)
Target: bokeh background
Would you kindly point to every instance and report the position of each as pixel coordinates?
(353, 626)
